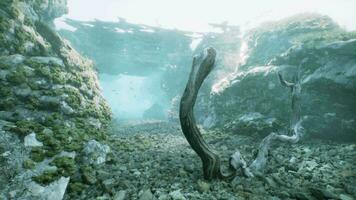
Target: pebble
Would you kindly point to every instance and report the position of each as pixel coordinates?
(177, 195)
(146, 195)
(203, 186)
(345, 197)
(120, 195)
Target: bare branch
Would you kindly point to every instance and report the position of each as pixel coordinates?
(236, 160)
(284, 82)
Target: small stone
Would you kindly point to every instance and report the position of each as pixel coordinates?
(120, 195)
(302, 195)
(283, 194)
(94, 122)
(292, 160)
(54, 191)
(109, 184)
(182, 172)
(136, 172)
(65, 108)
(271, 182)
(31, 141)
(189, 168)
(12, 194)
(103, 175)
(95, 153)
(123, 168)
(310, 165)
(47, 131)
(177, 195)
(163, 197)
(239, 187)
(345, 197)
(203, 186)
(322, 193)
(224, 148)
(103, 198)
(6, 154)
(89, 178)
(146, 195)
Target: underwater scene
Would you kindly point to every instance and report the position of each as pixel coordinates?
(177, 100)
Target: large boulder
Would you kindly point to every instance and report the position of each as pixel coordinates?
(325, 56)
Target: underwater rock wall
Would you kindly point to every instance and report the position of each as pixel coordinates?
(162, 54)
(255, 102)
(50, 104)
(120, 49)
(125, 48)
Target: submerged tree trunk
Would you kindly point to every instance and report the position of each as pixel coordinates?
(201, 67)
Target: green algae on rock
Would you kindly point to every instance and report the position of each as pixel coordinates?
(47, 88)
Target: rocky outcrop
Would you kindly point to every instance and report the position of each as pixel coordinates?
(49, 95)
(326, 56)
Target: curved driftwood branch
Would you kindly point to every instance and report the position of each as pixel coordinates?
(296, 131)
(201, 67)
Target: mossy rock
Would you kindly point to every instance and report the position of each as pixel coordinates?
(33, 103)
(74, 98)
(51, 72)
(29, 164)
(7, 104)
(24, 128)
(21, 35)
(52, 119)
(16, 78)
(4, 66)
(50, 36)
(5, 91)
(58, 75)
(54, 92)
(46, 177)
(88, 174)
(33, 85)
(75, 145)
(41, 70)
(7, 6)
(77, 187)
(53, 106)
(4, 24)
(103, 113)
(50, 143)
(38, 154)
(63, 138)
(75, 79)
(65, 165)
(52, 146)
(33, 63)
